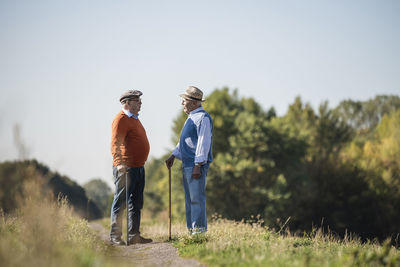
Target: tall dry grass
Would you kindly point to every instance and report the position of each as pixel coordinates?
(45, 232)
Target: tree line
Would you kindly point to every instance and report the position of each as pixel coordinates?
(15, 174)
(336, 168)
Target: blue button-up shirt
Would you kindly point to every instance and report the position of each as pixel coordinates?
(130, 114)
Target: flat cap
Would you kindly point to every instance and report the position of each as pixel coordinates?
(130, 94)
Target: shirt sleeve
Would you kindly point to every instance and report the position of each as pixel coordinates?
(177, 152)
(204, 141)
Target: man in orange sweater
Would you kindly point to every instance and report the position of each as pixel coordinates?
(129, 148)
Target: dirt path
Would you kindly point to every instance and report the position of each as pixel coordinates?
(152, 254)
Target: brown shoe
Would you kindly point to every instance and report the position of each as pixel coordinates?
(137, 239)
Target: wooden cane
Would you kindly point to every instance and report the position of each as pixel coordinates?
(169, 210)
(127, 212)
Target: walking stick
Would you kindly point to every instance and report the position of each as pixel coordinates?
(169, 211)
(127, 212)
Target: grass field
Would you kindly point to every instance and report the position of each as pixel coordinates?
(45, 232)
(229, 243)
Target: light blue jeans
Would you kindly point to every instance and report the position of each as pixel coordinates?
(195, 199)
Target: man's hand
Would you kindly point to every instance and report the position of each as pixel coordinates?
(122, 168)
(196, 173)
(170, 161)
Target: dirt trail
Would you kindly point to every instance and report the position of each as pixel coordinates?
(152, 254)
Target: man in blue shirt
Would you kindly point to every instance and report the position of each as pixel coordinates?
(194, 149)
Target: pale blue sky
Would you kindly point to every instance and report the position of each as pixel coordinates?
(64, 64)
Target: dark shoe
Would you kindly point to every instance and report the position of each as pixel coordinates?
(137, 239)
(117, 241)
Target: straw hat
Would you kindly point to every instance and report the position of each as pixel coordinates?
(193, 93)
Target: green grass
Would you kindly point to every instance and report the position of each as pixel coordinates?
(229, 243)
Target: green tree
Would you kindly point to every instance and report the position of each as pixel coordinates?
(333, 184)
(156, 191)
(13, 174)
(380, 154)
(99, 192)
(248, 158)
(338, 166)
(364, 116)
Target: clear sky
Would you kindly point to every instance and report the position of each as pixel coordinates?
(64, 64)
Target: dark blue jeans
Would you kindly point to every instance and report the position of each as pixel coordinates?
(136, 181)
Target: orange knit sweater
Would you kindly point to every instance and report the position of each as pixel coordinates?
(129, 144)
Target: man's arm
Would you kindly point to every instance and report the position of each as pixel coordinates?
(118, 135)
(204, 141)
(177, 152)
(203, 146)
